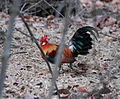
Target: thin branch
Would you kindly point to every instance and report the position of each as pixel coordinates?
(34, 39)
(23, 7)
(7, 45)
(60, 51)
(83, 11)
(15, 54)
(23, 52)
(32, 6)
(59, 9)
(53, 8)
(117, 38)
(25, 34)
(30, 13)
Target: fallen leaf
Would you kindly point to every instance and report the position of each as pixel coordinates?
(116, 2)
(82, 89)
(72, 79)
(64, 93)
(111, 21)
(106, 66)
(51, 24)
(3, 15)
(50, 17)
(27, 20)
(80, 65)
(83, 70)
(26, 16)
(93, 97)
(99, 3)
(105, 97)
(42, 95)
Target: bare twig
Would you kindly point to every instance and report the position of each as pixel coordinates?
(59, 9)
(53, 8)
(32, 6)
(22, 7)
(34, 39)
(30, 13)
(6, 6)
(7, 45)
(23, 52)
(25, 34)
(38, 11)
(117, 38)
(60, 51)
(15, 53)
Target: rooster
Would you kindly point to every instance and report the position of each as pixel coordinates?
(80, 43)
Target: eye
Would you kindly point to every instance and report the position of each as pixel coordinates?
(43, 43)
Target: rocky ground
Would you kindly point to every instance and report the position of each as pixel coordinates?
(28, 76)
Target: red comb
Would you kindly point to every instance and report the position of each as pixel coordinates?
(43, 38)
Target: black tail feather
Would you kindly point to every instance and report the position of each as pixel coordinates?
(81, 41)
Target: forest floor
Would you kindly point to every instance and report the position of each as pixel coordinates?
(28, 76)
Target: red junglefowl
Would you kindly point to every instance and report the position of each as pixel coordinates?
(80, 43)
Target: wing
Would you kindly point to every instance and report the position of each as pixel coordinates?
(51, 56)
(50, 51)
(67, 56)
